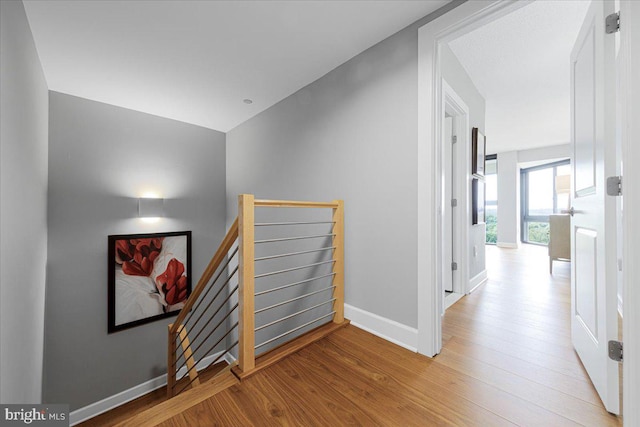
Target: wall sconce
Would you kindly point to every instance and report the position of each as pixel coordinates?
(150, 208)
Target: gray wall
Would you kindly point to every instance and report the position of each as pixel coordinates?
(23, 208)
(454, 73)
(351, 135)
(101, 158)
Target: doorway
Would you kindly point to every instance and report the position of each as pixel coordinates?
(465, 18)
(455, 193)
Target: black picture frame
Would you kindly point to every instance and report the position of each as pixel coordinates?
(149, 277)
(478, 152)
(478, 201)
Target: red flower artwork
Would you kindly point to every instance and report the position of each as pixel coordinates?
(137, 255)
(172, 283)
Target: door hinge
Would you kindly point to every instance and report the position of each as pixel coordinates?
(615, 350)
(612, 23)
(454, 266)
(454, 203)
(614, 186)
(454, 139)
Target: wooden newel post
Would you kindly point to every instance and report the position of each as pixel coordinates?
(338, 265)
(246, 209)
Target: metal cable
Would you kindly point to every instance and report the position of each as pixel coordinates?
(213, 362)
(214, 315)
(210, 348)
(266, 224)
(293, 315)
(293, 238)
(294, 268)
(294, 329)
(294, 299)
(294, 253)
(294, 284)
(202, 297)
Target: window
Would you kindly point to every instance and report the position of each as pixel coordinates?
(491, 208)
(540, 199)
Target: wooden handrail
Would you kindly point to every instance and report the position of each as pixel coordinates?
(243, 230)
(293, 204)
(215, 262)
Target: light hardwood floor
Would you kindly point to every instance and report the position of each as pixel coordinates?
(506, 360)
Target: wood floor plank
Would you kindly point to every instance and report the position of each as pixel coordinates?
(564, 352)
(535, 356)
(390, 392)
(575, 409)
(425, 377)
(581, 389)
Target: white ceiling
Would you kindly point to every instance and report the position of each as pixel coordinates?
(520, 64)
(196, 61)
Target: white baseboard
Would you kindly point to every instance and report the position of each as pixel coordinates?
(477, 280)
(111, 402)
(451, 299)
(387, 329)
(508, 245)
(620, 305)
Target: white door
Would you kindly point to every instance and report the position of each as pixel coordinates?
(593, 240)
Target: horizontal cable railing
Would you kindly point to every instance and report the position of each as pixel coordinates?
(290, 279)
(295, 294)
(198, 336)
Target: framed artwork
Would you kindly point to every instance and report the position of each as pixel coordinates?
(478, 201)
(478, 150)
(149, 277)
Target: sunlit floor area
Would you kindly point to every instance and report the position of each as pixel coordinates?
(513, 334)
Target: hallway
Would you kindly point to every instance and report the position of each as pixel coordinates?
(512, 336)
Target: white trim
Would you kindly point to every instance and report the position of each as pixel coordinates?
(451, 299)
(507, 245)
(458, 21)
(387, 329)
(477, 280)
(118, 399)
(453, 104)
(229, 358)
(630, 42)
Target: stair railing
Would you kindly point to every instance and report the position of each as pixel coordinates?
(196, 317)
(228, 319)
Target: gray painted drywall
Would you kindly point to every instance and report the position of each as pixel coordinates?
(23, 208)
(351, 135)
(508, 199)
(456, 76)
(101, 158)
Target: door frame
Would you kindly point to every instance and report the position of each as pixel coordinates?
(630, 42)
(454, 106)
(461, 20)
(431, 36)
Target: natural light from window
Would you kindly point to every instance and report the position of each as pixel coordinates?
(540, 199)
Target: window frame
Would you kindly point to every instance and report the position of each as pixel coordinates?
(524, 197)
(488, 158)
